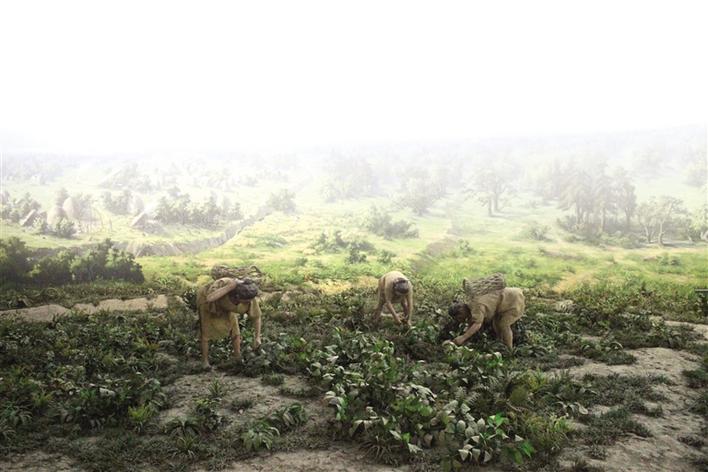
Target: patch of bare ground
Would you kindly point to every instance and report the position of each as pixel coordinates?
(336, 458)
(244, 399)
(264, 400)
(701, 329)
(663, 450)
(38, 461)
(46, 313)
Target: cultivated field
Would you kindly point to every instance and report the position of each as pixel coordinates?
(609, 370)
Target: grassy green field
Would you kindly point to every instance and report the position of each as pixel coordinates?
(457, 239)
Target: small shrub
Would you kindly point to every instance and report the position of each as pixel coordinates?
(356, 256)
(273, 379)
(536, 232)
(258, 436)
(288, 418)
(381, 224)
(140, 416)
(385, 257)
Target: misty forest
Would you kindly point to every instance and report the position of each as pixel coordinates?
(104, 263)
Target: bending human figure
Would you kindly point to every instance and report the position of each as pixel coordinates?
(218, 304)
(501, 306)
(394, 287)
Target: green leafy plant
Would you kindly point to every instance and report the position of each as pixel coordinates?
(259, 435)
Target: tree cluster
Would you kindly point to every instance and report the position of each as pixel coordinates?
(380, 223)
(284, 201)
(128, 176)
(348, 179)
(601, 204)
(20, 266)
(421, 187)
(16, 209)
(120, 205)
(179, 209)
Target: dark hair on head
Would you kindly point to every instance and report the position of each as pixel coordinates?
(455, 308)
(246, 290)
(401, 285)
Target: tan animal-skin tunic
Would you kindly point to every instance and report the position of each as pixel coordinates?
(216, 320)
(502, 307)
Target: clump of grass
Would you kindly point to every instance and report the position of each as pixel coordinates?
(698, 378)
(303, 392)
(604, 429)
(273, 379)
(241, 404)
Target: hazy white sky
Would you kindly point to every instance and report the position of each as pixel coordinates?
(100, 76)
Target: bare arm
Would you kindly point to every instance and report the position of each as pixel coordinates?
(389, 305)
(473, 328)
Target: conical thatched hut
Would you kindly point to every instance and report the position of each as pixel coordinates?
(55, 215)
(139, 221)
(29, 218)
(71, 209)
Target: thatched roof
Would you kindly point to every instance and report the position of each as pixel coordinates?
(29, 218)
(71, 208)
(139, 220)
(55, 214)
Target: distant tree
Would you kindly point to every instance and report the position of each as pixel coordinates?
(231, 211)
(697, 224)
(548, 181)
(491, 183)
(283, 200)
(576, 194)
(348, 178)
(657, 216)
(63, 229)
(53, 270)
(380, 223)
(625, 196)
(163, 211)
(181, 209)
(208, 214)
(14, 261)
(119, 205)
(24, 205)
(603, 199)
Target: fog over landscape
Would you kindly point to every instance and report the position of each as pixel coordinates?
(390, 236)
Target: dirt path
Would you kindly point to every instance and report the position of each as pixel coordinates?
(46, 313)
(663, 451)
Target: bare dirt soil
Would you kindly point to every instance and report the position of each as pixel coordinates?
(338, 458)
(38, 461)
(663, 451)
(264, 399)
(46, 313)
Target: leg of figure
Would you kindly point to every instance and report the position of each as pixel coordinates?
(204, 343)
(502, 325)
(235, 336)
